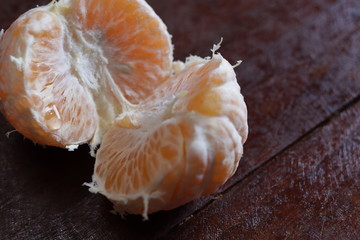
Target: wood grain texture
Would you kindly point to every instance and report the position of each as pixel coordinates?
(300, 66)
(311, 191)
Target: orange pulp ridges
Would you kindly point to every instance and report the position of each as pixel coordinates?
(57, 61)
(186, 150)
(80, 69)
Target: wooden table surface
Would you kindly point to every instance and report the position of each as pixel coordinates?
(300, 174)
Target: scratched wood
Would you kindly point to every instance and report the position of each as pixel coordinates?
(311, 191)
(300, 66)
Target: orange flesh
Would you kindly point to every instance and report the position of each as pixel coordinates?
(47, 100)
(180, 167)
(133, 41)
(33, 82)
(169, 140)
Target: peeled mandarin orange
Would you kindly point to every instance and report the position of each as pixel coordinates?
(186, 147)
(69, 68)
(101, 72)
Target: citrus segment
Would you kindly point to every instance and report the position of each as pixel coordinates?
(162, 168)
(41, 100)
(209, 87)
(133, 39)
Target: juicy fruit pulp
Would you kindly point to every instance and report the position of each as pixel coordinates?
(69, 68)
(182, 149)
(101, 71)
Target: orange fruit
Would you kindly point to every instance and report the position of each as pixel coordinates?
(101, 72)
(184, 148)
(69, 68)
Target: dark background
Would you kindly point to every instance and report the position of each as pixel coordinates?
(300, 174)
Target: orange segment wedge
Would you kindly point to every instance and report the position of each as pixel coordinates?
(178, 161)
(132, 38)
(39, 95)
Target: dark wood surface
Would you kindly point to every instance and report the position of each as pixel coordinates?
(299, 177)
